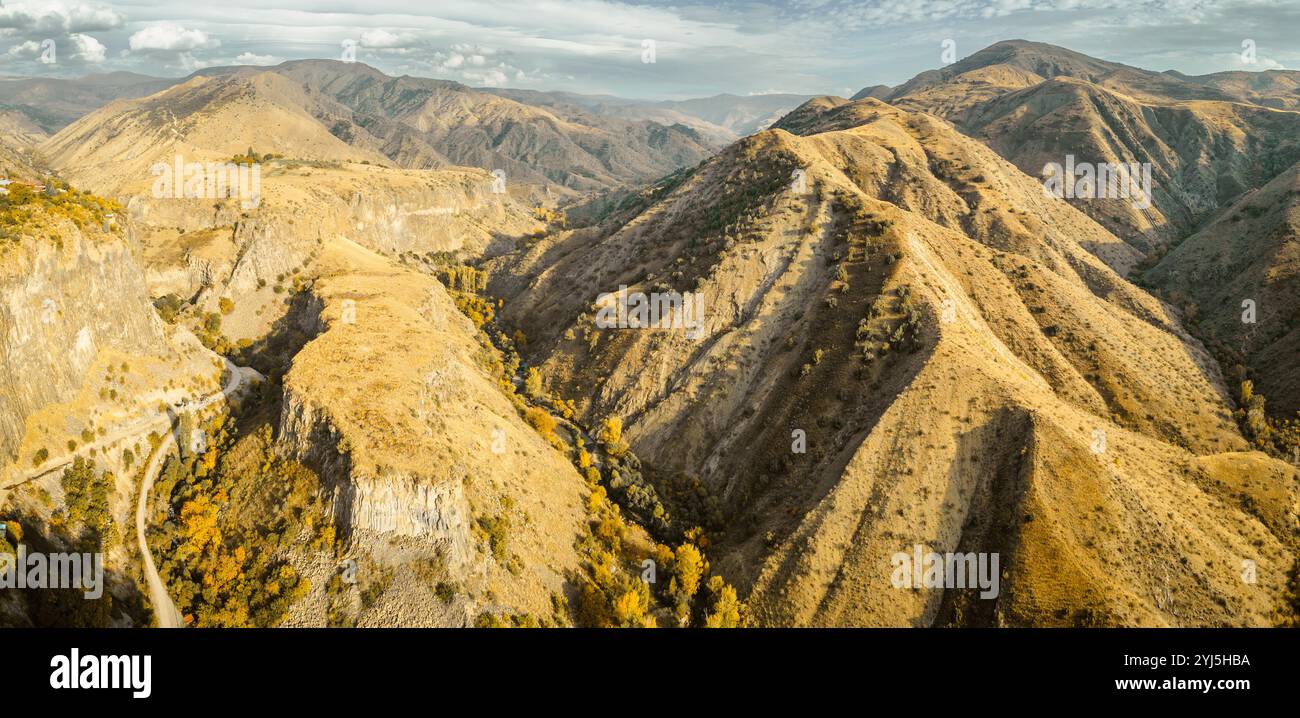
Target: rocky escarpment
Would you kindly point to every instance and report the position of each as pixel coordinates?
(394, 404)
(385, 502)
(234, 250)
(61, 302)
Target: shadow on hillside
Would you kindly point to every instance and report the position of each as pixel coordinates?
(272, 354)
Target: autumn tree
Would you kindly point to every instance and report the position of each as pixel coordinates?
(543, 422)
(725, 611)
(688, 568)
(611, 437)
(533, 383)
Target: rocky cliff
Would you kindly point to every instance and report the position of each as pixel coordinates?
(65, 296)
(394, 405)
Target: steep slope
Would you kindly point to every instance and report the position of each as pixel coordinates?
(113, 149)
(1249, 252)
(328, 110)
(423, 446)
(17, 130)
(912, 346)
(87, 373)
(52, 103)
(576, 107)
(73, 306)
(418, 122)
(1035, 103)
(221, 256)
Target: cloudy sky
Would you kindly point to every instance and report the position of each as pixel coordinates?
(600, 46)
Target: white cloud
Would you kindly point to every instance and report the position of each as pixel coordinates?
(248, 58)
(170, 37)
(29, 50)
(492, 78)
(52, 17)
(87, 48)
(75, 49)
(1235, 61)
(381, 39)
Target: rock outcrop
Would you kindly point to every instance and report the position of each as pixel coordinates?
(64, 297)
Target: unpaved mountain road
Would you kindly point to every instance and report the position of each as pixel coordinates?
(137, 429)
(164, 609)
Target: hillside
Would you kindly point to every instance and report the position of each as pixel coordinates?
(328, 110)
(1208, 139)
(976, 348)
(1249, 252)
(406, 453)
(113, 149)
(423, 123)
(394, 382)
(51, 103)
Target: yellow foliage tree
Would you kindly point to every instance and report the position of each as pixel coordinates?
(688, 568)
(629, 609)
(726, 609)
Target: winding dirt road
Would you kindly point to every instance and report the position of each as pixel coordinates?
(164, 609)
(165, 612)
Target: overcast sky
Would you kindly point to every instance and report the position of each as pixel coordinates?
(598, 46)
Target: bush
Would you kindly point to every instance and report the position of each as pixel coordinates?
(543, 422)
(445, 592)
(496, 530)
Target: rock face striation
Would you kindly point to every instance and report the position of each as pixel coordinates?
(62, 302)
(399, 503)
(416, 442)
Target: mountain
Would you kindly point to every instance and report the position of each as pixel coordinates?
(962, 370)
(880, 92)
(330, 110)
(203, 119)
(1207, 139)
(1249, 252)
(1271, 88)
(586, 108)
(742, 115)
(721, 118)
(52, 103)
(1221, 148)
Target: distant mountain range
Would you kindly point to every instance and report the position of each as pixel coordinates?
(577, 142)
